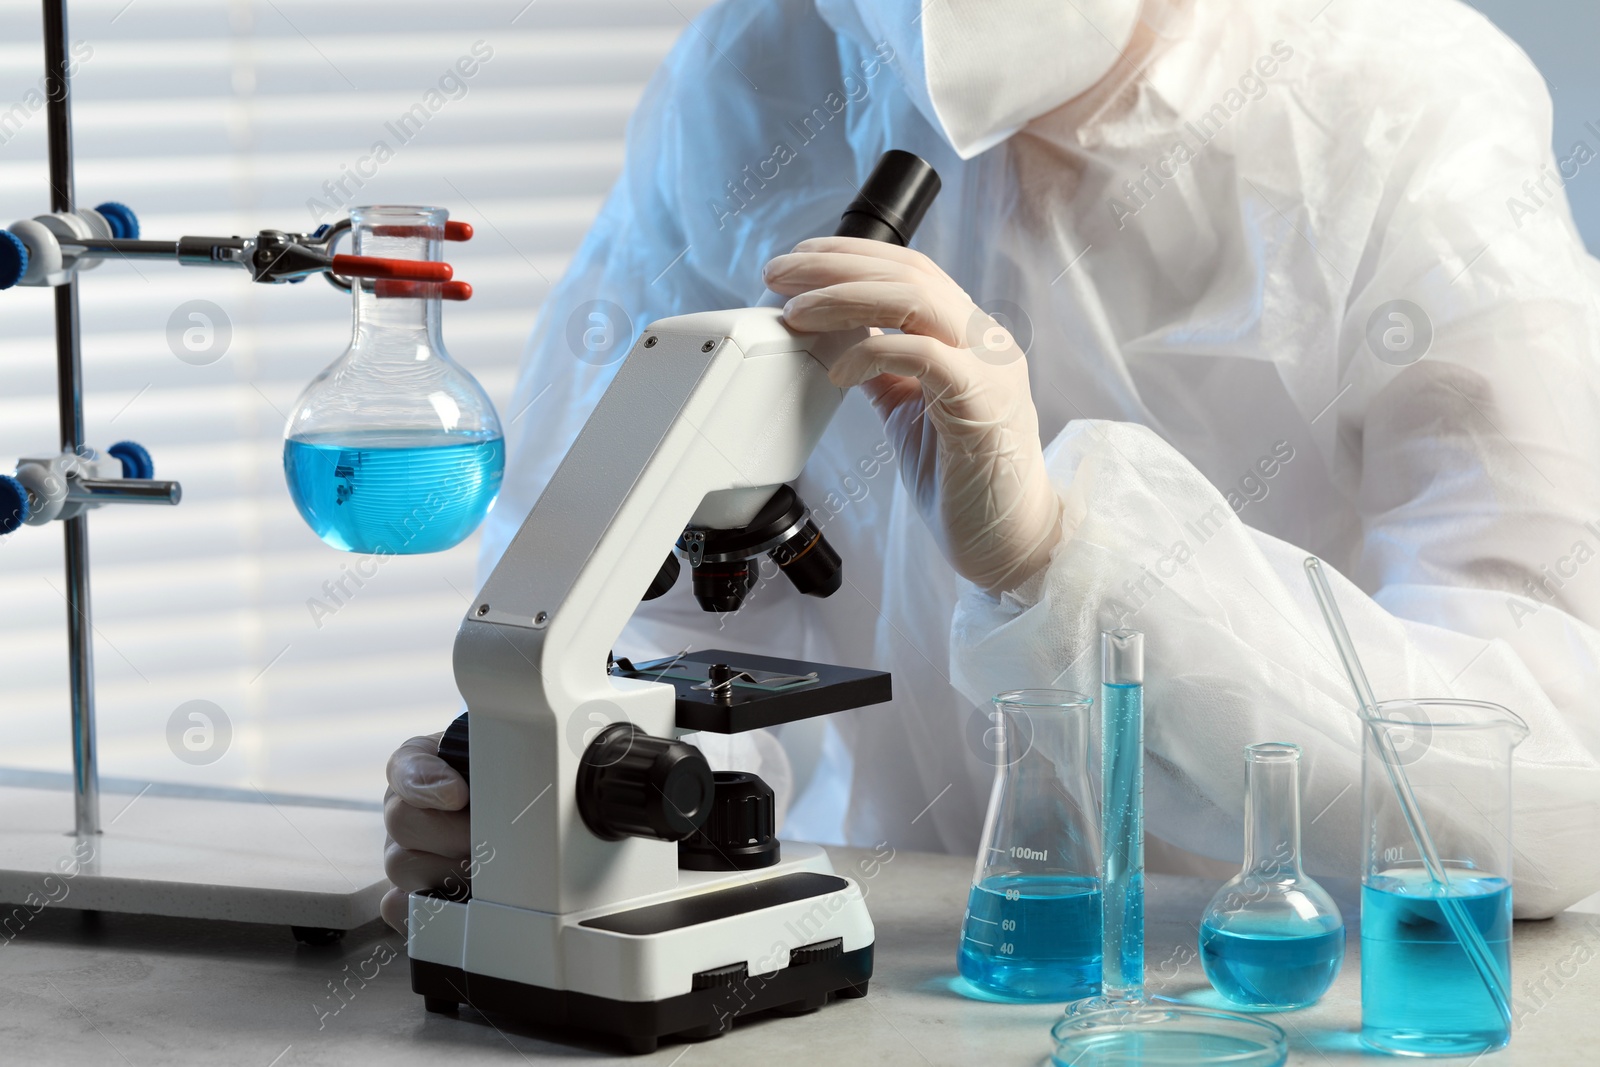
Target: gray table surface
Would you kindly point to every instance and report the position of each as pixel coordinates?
(139, 990)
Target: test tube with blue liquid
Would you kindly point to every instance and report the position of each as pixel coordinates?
(1124, 1025)
(1032, 927)
(1122, 805)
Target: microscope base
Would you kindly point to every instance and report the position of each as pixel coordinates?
(721, 947)
(637, 1026)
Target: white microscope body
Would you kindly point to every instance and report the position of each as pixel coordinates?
(584, 910)
(708, 416)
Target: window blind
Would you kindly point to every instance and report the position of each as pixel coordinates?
(224, 117)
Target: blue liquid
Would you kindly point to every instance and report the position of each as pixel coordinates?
(1122, 808)
(1420, 993)
(1034, 937)
(1283, 962)
(394, 492)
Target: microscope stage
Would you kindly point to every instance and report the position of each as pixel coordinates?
(765, 691)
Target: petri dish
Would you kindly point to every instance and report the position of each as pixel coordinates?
(1166, 1035)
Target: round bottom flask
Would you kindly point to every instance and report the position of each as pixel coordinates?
(394, 449)
(1272, 938)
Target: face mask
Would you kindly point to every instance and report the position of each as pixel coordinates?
(981, 69)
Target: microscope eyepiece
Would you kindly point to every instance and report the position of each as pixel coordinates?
(722, 560)
(892, 201)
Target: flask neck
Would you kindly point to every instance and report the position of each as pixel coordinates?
(1272, 811)
(386, 327)
(397, 321)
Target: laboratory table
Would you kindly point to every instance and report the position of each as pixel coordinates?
(77, 988)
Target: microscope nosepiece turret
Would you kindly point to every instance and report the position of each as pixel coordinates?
(724, 563)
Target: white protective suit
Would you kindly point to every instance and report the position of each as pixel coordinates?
(1191, 254)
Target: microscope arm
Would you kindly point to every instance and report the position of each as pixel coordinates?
(710, 413)
(708, 416)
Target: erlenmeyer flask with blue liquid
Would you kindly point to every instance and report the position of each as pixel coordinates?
(1032, 928)
(394, 448)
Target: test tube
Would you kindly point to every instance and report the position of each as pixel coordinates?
(1122, 812)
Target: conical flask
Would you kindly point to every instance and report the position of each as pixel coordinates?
(394, 449)
(1032, 928)
(1272, 937)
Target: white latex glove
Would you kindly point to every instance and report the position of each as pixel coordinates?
(952, 388)
(430, 829)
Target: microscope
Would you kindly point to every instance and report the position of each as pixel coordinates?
(617, 885)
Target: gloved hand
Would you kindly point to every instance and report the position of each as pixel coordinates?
(952, 388)
(430, 831)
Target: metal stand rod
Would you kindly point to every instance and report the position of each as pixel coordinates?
(122, 491)
(69, 397)
(121, 248)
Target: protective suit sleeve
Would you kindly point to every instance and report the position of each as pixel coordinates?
(1236, 654)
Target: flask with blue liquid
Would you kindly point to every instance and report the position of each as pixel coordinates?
(1272, 938)
(1032, 928)
(394, 449)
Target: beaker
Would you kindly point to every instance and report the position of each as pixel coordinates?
(1421, 993)
(1271, 936)
(1032, 928)
(394, 448)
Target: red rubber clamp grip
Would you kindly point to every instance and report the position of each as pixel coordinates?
(453, 231)
(416, 270)
(390, 289)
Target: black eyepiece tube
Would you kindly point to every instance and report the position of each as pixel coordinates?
(892, 200)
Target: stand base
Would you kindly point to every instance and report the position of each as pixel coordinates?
(637, 1026)
(273, 859)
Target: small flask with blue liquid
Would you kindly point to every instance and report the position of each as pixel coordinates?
(1272, 938)
(1032, 928)
(394, 449)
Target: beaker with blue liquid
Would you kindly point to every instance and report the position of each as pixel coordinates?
(1032, 928)
(394, 448)
(1436, 944)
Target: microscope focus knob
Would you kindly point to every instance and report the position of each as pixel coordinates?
(631, 784)
(740, 834)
